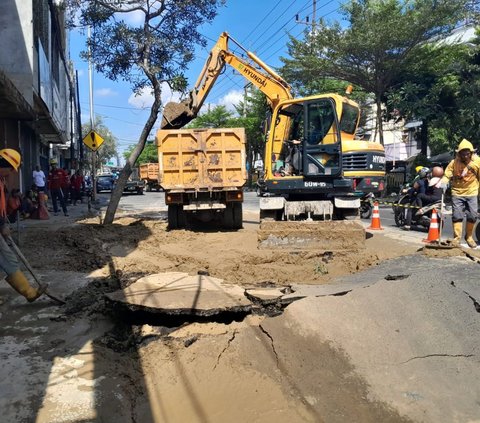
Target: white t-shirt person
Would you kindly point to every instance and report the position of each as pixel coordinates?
(39, 178)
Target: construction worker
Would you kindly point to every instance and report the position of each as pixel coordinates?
(58, 186)
(9, 163)
(464, 175)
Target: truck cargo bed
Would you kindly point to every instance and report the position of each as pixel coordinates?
(201, 159)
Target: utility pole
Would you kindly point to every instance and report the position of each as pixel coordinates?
(92, 120)
(307, 19)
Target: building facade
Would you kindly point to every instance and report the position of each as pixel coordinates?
(38, 113)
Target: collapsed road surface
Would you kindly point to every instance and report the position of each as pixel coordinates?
(386, 334)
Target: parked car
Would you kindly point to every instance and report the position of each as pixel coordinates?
(135, 187)
(104, 183)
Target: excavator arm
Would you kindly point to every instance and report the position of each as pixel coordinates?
(276, 89)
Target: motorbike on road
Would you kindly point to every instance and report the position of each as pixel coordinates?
(420, 217)
(366, 205)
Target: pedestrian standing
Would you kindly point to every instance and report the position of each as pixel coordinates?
(76, 185)
(39, 179)
(58, 186)
(464, 175)
(9, 163)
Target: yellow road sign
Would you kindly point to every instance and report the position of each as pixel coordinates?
(93, 140)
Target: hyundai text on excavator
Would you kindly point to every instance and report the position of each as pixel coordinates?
(313, 165)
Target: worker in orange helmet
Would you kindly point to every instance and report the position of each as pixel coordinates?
(463, 172)
(9, 163)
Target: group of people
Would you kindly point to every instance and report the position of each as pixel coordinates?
(463, 176)
(62, 187)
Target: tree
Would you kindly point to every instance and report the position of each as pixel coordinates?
(153, 52)
(109, 147)
(371, 51)
(428, 90)
(253, 115)
(216, 117)
(148, 155)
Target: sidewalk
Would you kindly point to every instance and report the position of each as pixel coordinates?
(75, 213)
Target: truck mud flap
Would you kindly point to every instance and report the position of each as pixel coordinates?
(336, 235)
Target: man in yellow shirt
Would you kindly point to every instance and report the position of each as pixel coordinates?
(463, 172)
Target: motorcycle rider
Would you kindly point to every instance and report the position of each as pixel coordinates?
(463, 172)
(420, 185)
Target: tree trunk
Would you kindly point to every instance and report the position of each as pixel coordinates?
(127, 170)
(380, 119)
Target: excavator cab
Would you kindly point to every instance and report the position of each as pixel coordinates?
(306, 141)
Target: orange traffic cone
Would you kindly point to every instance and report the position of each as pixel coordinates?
(433, 233)
(375, 223)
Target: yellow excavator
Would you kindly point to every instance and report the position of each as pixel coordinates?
(313, 165)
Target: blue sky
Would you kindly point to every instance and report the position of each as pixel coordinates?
(260, 26)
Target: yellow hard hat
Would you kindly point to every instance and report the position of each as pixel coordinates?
(418, 169)
(11, 156)
(53, 161)
(465, 145)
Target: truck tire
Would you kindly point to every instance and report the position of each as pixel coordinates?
(476, 231)
(233, 216)
(176, 217)
(237, 216)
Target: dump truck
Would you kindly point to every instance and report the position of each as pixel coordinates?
(149, 175)
(313, 163)
(202, 172)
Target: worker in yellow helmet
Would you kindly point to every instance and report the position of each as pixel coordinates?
(9, 163)
(463, 173)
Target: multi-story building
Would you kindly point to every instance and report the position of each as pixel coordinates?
(38, 112)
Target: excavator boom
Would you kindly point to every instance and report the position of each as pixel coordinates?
(276, 89)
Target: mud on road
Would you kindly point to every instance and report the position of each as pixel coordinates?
(215, 369)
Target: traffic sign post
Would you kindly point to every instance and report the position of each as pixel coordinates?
(93, 140)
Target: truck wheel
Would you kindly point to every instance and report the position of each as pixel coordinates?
(176, 217)
(476, 231)
(237, 216)
(232, 217)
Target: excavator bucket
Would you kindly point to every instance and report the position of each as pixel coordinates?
(321, 236)
(176, 115)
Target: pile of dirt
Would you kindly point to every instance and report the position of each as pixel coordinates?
(135, 246)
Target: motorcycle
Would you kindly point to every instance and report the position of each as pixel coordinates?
(420, 217)
(366, 205)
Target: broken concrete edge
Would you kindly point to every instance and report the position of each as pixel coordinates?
(179, 311)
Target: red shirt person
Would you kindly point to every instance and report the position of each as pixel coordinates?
(76, 184)
(58, 186)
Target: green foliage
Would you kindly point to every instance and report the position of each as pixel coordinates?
(216, 117)
(162, 45)
(371, 51)
(108, 149)
(148, 155)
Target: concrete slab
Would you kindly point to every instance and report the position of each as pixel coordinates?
(178, 293)
(265, 295)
